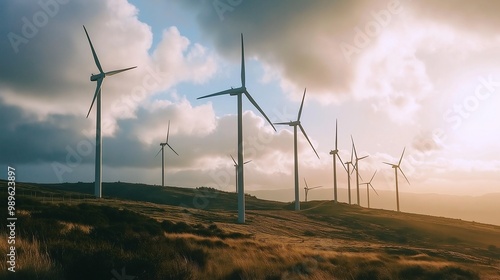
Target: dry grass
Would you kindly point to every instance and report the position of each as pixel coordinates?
(31, 257)
(67, 227)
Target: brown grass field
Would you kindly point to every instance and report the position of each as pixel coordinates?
(325, 240)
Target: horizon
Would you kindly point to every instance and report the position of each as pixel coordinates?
(395, 74)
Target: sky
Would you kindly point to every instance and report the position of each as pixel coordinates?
(421, 75)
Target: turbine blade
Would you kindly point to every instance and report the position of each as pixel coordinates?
(97, 63)
(304, 132)
(159, 151)
(401, 156)
(258, 108)
(172, 149)
(248, 161)
(388, 163)
(229, 91)
(354, 148)
(242, 62)
(168, 131)
(233, 160)
(282, 123)
(335, 134)
(111, 73)
(353, 168)
(373, 176)
(374, 189)
(343, 165)
(362, 157)
(306, 183)
(301, 104)
(315, 187)
(97, 91)
(404, 175)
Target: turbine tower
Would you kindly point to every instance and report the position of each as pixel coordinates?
(335, 155)
(396, 168)
(296, 159)
(236, 170)
(99, 78)
(368, 189)
(307, 188)
(239, 92)
(162, 156)
(356, 167)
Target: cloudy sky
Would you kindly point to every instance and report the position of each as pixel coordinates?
(415, 74)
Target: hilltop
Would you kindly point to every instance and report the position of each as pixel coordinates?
(180, 233)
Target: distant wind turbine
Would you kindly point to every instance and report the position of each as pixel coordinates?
(396, 168)
(368, 189)
(99, 78)
(335, 155)
(239, 92)
(356, 167)
(236, 170)
(296, 160)
(307, 188)
(162, 156)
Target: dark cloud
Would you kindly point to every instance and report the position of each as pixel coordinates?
(301, 38)
(25, 139)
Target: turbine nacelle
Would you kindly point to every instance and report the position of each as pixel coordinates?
(392, 165)
(334, 152)
(239, 90)
(294, 123)
(95, 77)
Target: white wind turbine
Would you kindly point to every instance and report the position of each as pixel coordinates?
(99, 78)
(368, 189)
(396, 167)
(335, 155)
(307, 188)
(356, 167)
(239, 92)
(162, 156)
(296, 160)
(236, 170)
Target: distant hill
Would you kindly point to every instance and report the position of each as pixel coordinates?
(484, 209)
(200, 198)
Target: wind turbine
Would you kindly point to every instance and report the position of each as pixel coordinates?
(99, 78)
(162, 156)
(335, 155)
(236, 170)
(396, 167)
(296, 159)
(368, 189)
(239, 92)
(356, 167)
(307, 188)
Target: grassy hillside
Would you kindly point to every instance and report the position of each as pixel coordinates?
(99, 239)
